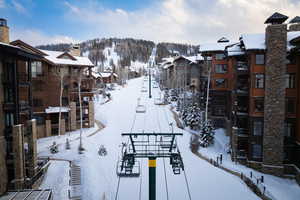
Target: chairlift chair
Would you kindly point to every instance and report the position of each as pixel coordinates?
(128, 169)
(140, 109)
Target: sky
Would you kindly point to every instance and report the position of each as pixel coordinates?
(184, 21)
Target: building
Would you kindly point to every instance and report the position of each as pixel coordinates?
(53, 70)
(109, 77)
(18, 162)
(221, 85)
(266, 97)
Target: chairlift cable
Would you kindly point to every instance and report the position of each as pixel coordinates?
(165, 173)
(185, 176)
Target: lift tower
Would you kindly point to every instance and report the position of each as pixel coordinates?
(151, 146)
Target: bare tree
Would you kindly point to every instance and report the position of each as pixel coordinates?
(61, 74)
(80, 148)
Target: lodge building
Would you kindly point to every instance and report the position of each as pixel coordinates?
(30, 90)
(261, 109)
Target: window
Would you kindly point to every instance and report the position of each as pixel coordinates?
(290, 105)
(260, 59)
(256, 151)
(259, 81)
(8, 95)
(259, 105)
(221, 69)
(289, 129)
(9, 119)
(258, 127)
(221, 83)
(36, 69)
(220, 56)
(291, 81)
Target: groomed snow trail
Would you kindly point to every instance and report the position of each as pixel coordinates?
(99, 177)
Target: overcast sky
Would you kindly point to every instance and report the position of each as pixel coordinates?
(185, 21)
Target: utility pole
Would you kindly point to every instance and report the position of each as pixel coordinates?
(152, 178)
(150, 83)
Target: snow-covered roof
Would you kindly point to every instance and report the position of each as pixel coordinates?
(95, 74)
(52, 56)
(56, 109)
(214, 46)
(12, 46)
(257, 41)
(235, 50)
(168, 66)
(107, 74)
(254, 41)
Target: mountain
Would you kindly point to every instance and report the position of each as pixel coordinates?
(113, 52)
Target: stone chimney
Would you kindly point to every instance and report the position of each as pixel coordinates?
(4, 31)
(295, 24)
(274, 108)
(75, 50)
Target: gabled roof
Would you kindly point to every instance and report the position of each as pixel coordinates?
(27, 47)
(295, 20)
(53, 57)
(15, 50)
(214, 47)
(66, 54)
(107, 74)
(276, 18)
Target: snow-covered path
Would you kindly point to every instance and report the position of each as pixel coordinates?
(99, 177)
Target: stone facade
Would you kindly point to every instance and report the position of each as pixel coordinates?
(274, 103)
(3, 169)
(48, 128)
(32, 147)
(4, 34)
(73, 116)
(91, 114)
(62, 126)
(19, 158)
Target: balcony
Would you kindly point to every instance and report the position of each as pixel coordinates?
(242, 132)
(242, 67)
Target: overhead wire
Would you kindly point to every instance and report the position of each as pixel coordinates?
(184, 171)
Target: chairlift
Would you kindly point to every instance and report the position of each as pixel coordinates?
(129, 169)
(176, 163)
(140, 109)
(102, 151)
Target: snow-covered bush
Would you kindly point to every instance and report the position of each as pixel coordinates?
(192, 116)
(206, 134)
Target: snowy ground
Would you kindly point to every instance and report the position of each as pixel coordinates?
(277, 188)
(99, 173)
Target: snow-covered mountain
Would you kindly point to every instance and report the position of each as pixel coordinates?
(114, 53)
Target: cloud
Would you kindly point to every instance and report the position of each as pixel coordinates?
(191, 21)
(34, 37)
(19, 7)
(2, 4)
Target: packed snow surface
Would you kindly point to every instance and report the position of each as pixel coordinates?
(99, 177)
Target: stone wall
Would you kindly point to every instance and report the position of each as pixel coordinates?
(48, 128)
(19, 158)
(91, 114)
(3, 169)
(274, 108)
(72, 116)
(32, 147)
(4, 34)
